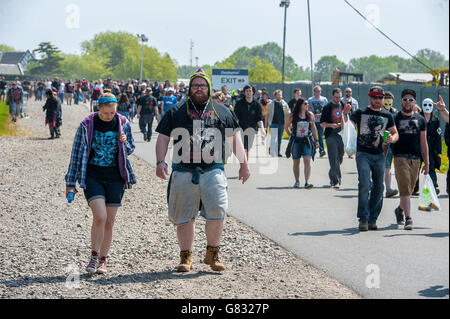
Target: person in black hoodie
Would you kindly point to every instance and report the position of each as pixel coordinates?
(51, 113)
(434, 140)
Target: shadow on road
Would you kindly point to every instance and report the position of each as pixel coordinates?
(274, 187)
(344, 232)
(434, 292)
(102, 280)
(433, 235)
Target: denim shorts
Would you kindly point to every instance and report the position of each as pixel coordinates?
(111, 191)
(301, 149)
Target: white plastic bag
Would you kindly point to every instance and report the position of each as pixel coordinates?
(349, 137)
(428, 199)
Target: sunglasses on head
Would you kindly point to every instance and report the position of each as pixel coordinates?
(407, 100)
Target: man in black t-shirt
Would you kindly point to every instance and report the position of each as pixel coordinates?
(249, 114)
(200, 128)
(297, 95)
(370, 158)
(408, 151)
(146, 111)
(332, 120)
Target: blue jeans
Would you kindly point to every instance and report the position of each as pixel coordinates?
(370, 170)
(320, 133)
(276, 137)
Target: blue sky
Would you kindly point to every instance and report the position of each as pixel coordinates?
(218, 28)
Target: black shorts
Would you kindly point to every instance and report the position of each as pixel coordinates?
(111, 191)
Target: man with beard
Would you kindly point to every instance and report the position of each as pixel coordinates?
(370, 159)
(198, 182)
(411, 147)
(332, 120)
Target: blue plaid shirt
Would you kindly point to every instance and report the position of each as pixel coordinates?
(79, 157)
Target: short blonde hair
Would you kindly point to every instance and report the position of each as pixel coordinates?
(219, 96)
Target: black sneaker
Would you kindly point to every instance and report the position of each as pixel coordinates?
(322, 153)
(308, 186)
(373, 227)
(408, 223)
(399, 216)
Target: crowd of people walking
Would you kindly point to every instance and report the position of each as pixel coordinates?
(410, 138)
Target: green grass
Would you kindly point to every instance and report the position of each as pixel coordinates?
(6, 127)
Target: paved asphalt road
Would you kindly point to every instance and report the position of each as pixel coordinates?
(320, 226)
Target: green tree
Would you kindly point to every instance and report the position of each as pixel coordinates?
(49, 61)
(373, 67)
(325, 67)
(263, 71)
(185, 71)
(5, 48)
(242, 59)
(88, 66)
(120, 52)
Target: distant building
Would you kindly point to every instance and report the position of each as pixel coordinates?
(15, 63)
(406, 78)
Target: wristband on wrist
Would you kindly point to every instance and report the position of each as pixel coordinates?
(161, 162)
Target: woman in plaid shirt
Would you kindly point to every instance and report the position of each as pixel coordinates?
(99, 162)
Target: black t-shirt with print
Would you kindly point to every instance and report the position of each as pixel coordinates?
(148, 103)
(331, 113)
(409, 128)
(301, 127)
(199, 122)
(103, 158)
(371, 126)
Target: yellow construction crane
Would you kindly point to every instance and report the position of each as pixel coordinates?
(440, 77)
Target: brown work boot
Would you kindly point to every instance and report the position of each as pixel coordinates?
(185, 261)
(212, 259)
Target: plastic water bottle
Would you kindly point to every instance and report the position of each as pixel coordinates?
(70, 196)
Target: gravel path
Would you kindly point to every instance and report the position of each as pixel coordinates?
(44, 241)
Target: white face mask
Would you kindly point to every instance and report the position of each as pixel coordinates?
(427, 106)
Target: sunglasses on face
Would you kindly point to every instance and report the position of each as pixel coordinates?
(377, 97)
(407, 100)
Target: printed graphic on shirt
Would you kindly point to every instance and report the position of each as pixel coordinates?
(336, 115)
(372, 130)
(302, 129)
(409, 126)
(316, 107)
(104, 146)
(203, 140)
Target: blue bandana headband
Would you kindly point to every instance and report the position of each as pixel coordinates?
(103, 100)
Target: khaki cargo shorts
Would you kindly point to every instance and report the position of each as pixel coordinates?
(406, 174)
(185, 197)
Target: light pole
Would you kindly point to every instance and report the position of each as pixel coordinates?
(310, 49)
(143, 39)
(285, 4)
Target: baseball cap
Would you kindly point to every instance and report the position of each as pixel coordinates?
(376, 90)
